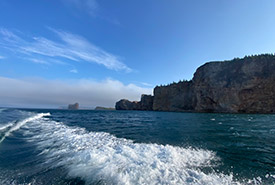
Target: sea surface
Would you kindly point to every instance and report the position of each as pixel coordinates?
(135, 147)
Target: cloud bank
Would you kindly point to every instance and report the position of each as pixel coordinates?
(41, 93)
(69, 47)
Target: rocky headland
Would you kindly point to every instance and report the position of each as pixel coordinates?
(104, 108)
(145, 103)
(244, 85)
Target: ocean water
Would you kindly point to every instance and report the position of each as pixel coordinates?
(135, 147)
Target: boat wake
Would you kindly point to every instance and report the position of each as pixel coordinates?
(98, 157)
(7, 129)
(4, 127)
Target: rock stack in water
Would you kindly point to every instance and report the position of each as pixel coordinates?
(238, 86)
(73, 106)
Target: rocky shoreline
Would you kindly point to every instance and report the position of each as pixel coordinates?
(244, 85)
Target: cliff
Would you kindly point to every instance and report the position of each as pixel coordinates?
(238, 86)
(146, 103)
(174, 97)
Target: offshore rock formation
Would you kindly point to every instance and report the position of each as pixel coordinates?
(238, 86)
(73, 106)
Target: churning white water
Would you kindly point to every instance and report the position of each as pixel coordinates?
(98, 157)
(11, 127)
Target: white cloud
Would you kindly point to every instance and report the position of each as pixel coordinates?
(55, 93)
(89, 6)
(72, 47)
(74, 71)
(146, 84)
(2, 57)
(92, 8)
(38, 61)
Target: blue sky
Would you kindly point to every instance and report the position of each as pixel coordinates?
(101, 51)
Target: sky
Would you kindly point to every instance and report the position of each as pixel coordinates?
(56, 52)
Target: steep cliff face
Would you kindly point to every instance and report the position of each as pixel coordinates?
(125, 104)
(238, 86)
(242, 85)
(174, 97)
(146, 103)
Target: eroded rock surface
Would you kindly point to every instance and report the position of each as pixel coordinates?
(238, 86)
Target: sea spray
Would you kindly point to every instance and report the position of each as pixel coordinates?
(91, 147)
(101, 157)
(19, 124)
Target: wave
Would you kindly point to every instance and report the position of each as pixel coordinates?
(4, 127)
(98, 157)
(2, 109)
(13, 127)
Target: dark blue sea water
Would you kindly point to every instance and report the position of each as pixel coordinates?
(135, 147)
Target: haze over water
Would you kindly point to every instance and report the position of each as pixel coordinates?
(135, 147)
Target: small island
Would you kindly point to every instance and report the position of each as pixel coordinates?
(245, 85)
(73, 106)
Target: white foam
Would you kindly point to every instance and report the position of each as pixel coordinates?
(101, 157)
(3, 127)
(21, 123)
